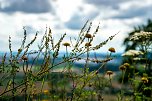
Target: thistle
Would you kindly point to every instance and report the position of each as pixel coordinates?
(109, 73)
(66, 44)
(122, 67)
(112, 50)
(88, 36)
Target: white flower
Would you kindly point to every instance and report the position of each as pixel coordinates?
(132, 53)
(141, 36)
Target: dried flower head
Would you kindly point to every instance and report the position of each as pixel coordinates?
(126, 65)
(109, 73)
(112, 50)
(133, 53)
(122, 67)
(24, 58)
(144, 79)
(88, 36)
(66, 44)
(88, 44)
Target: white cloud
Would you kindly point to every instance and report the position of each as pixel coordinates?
(70, 15)
(26, 6)
(13, 26)
(65, 8)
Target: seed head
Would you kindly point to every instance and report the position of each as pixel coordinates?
(126, 65)
(88, 36)
(112, 50)
(66, 44)
(122, 67)
(109, 73)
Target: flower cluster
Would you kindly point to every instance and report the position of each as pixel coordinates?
(133, 53)
(140, 36)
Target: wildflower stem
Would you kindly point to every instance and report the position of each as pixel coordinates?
(121, 92)
(110, 80)
(66, 51)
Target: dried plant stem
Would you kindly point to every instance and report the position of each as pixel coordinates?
(122, 81)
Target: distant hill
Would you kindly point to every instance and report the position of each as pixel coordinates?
(111, 65)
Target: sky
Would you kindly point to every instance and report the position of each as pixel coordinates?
(69, 16)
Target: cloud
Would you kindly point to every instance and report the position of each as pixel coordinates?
(30, 29)
(133, 12)
(106, 3)
(76, 22)
(114, 15)
(122, 9)
(79, 18)
(26, 6)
